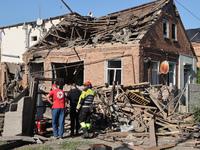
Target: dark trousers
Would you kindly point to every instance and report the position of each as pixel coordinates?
(74, 117)
(85, 115)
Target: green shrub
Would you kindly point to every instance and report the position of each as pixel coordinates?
(198, 75)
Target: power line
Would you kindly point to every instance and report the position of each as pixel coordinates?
(188, 10)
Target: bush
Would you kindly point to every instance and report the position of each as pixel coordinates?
(198, 75)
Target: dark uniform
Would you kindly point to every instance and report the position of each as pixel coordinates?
(73, 95)
(85, 103)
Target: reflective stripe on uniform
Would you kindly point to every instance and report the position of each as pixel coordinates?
(88, 125)
(83, 125)
(86, 97)
(78, 106)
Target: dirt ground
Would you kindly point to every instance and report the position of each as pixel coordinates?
(55, 143)
(114, 143)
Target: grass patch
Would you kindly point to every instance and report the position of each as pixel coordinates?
(46, 147)
(2, 143)
(72, 145)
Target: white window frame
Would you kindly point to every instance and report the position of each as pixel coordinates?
(174, 31)
(115, 69)
(157, 70)
(165, 21)
(173, 72)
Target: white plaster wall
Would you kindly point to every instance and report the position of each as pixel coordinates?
(12, 44)
(185, 59)
(14, 40)
(191, 61)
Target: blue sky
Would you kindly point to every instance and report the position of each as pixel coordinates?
(19, 11)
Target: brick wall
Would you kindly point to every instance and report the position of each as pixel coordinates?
(196, 47)
(95, 62)
(154, 39)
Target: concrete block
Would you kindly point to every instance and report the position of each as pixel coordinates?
(193, 96)
(12, 124)
(16, 122)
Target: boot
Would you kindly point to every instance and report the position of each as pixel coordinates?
(85, 132)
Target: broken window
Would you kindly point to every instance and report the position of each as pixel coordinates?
(37, 69)
(155, 73)
(70, 72)
(173, 31)
(34, 38)
(114, 69)
(171, 75)
(165, 28)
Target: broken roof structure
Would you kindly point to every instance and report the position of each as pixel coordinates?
(125, 26)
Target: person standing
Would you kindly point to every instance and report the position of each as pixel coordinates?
(58, 110)
(85, 106)
(73, 95)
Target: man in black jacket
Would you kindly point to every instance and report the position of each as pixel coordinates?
(73, 96)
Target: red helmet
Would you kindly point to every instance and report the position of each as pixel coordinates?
(53, 85)
(88, 83)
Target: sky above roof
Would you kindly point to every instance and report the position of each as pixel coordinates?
(19, 11)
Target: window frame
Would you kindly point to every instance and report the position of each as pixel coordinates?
(175, 31)
(174, 74)
(165, 21)
(115, 69)
(157, 72)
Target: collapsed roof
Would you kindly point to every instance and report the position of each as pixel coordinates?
(124, 26)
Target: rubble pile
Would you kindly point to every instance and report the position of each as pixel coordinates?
(150, 112)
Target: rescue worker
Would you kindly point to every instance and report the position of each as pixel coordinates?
(58, 110)
(73, 95)
(86, 108)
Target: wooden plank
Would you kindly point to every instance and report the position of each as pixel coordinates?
(141, 106)
(159, 107)
(152, 133)
(123, 134)
(173, 129)
(162, 147)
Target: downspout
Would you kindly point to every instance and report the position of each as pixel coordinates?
(1, 46)
(26, 36)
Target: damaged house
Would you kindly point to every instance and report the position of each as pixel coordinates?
(127, 46)
(27, 34)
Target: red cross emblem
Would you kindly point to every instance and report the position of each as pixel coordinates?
(60, 94)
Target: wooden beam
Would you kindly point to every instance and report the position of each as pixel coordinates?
(58, 36)
(163, 147)
(153, 142)
(159, 107)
